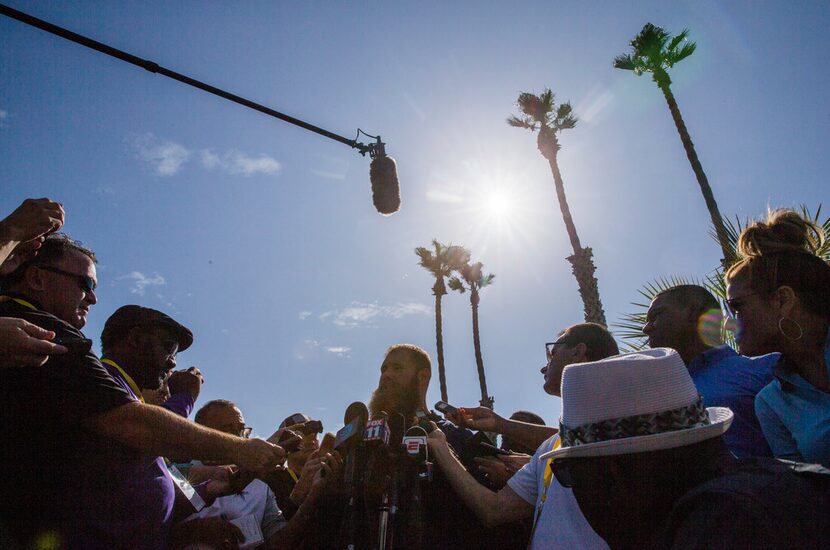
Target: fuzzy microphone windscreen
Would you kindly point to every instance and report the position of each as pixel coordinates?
(386, 192)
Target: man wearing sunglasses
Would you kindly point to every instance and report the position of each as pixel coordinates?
(687, 318)
(532, 492)
(75, 441)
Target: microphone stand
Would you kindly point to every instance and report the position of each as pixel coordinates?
(354, 482)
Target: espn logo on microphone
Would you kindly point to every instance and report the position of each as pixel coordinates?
(413, 444)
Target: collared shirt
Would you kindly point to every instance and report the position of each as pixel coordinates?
(726, 379)
(795, 417)
(57, 473)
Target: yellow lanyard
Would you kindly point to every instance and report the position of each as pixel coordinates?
(20, 301)
(293, 475)
(127, 378)
(548, 477)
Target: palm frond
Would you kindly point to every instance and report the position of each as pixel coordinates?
(684, 52)
(454, 283)
(625, 62)
(521, 123)
(547, 101)
(486, 280)
(530, 105)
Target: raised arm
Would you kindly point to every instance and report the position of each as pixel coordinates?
(490, 508)
(529, 435)
(157, 431)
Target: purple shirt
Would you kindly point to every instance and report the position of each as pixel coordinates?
(144, 497)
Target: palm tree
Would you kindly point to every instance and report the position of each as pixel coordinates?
(655, 51)
(541, 113)
(472, 275)
(441, 264)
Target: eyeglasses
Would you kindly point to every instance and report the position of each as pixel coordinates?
(86, 283)
(550, 347)
(733, 305)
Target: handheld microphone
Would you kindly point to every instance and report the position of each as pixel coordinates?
(386, 191)
(415, 443)
(377, 431)
(355, 419)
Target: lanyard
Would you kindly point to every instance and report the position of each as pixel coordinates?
(546, 481)
(127, 378)
(20, 301)
(293, 475)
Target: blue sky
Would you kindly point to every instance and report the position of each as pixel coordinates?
(262, 237)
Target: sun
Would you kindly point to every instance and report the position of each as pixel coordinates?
(498, 206)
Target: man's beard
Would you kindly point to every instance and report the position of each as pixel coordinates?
(395, 399)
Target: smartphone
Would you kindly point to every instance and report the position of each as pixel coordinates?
(446, 408)
(80, 346)
(311, 427)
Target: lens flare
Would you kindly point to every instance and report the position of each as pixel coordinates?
(709, 326)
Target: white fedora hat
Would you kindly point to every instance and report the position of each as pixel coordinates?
(633, 403)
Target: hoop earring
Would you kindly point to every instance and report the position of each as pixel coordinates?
(784, 332)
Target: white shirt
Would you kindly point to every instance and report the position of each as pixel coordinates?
(560, 522)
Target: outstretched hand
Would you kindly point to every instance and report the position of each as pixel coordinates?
(480, 418)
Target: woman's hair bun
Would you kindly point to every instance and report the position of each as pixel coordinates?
(783, 231)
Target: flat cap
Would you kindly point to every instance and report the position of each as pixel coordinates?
(130, 316)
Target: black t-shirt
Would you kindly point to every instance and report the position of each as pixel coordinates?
(762, 504)
(47, 455)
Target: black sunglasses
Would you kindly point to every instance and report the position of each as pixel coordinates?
(86, 283)
(733, 305)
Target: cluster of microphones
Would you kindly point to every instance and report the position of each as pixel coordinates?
(385, 467)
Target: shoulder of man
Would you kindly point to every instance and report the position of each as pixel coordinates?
(10, 307)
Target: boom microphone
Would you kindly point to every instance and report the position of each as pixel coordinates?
(383, 173)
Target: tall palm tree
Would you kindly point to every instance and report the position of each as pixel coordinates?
(445, 260)
(541, 113)
(476, 280)
(654, 51)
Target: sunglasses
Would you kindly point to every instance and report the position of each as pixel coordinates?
(86, 283)
(733, 305)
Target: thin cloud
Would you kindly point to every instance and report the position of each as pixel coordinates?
(340, 351)
(365, 314)
(4, 116)
(140, 281)
(303, 315)
(237, 163)
(165, 157)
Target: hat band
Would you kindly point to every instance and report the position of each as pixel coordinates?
(682, 418)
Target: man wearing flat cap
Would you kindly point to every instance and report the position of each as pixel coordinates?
(649, 468)
(139, 347)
